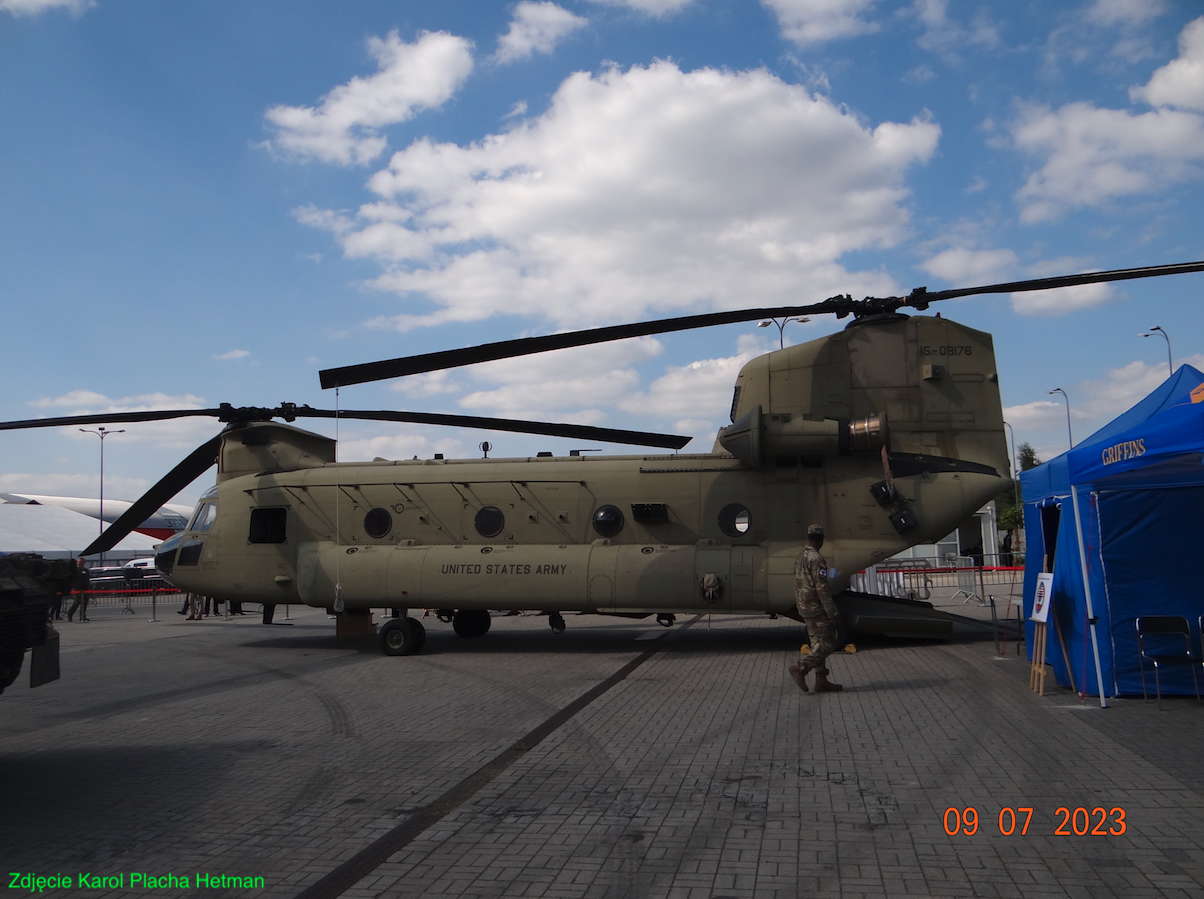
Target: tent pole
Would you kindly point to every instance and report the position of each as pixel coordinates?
(1078, 524)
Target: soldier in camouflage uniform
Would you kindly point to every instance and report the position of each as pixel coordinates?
(818, 611)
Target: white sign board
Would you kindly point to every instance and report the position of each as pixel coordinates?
(1041, 600)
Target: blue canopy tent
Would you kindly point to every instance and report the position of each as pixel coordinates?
(1120, 517)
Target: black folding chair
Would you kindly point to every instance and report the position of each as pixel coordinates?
(1164, 629)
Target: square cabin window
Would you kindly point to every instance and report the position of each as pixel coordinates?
(268, 525)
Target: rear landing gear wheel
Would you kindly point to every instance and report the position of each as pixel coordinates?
(471, 622)
(556, 622)
(402, 637)
(664, 619)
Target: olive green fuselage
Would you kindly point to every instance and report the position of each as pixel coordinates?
(627, 533)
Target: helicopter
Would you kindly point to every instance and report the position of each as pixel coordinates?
(889, 432)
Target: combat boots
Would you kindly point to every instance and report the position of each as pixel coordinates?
(798, 675)
(822, 684)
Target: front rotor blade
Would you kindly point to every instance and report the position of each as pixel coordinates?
(195, 465)
(549, 429)
(107, 418)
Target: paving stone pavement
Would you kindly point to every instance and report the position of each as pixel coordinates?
(239, 749)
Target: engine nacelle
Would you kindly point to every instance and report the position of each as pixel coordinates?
(758, 438)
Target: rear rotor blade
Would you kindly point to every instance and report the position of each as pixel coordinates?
(195, 465)
(519, 426)
(1120, 274)
(841, 306)
(524, 346)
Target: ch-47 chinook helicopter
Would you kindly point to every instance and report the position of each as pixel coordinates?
(890, 432)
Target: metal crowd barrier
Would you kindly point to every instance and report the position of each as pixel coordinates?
(916, 578)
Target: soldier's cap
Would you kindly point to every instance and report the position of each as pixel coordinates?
(815, 530)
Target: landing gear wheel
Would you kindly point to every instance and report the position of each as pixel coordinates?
(402, 637)
(10, 668)
(556, 622)
(471, 622)
(664, 619)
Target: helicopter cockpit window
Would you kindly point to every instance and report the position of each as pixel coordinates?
(378, 523)
(608, 521)
(490, 521)
(203, 520)
(190, 554)
(268, 525)
(735, 520)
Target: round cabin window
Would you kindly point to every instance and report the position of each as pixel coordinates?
(608, 520)
(490, 521)
(378, 523)
(735, 520)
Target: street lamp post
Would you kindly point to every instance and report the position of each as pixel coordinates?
(1015, 463)
(102, 433)
(781, 327)
(1015, 484)
(1069, 435)
(1170, 365)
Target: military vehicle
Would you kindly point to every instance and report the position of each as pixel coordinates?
(28, 587)
(889, 433)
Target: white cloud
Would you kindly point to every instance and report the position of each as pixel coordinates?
(398, 446)
(233, 355)
(1092, 156)
(1035, 416)
(815, 21)
(345, 127)
(429, 384)
(536, 28)
(1181, 81)
(178, 433)
(1062, 300)
(1121, 388)
(658, 8)
(566, 385)
(696, 397)
(646, 190)
(58, 484)
(942, 34)
(962, 266)
(1111, 12)
(98, 402)
(33, 7)
(1093, 404)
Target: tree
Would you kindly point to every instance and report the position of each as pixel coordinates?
(1028, 456)
(1009, 515)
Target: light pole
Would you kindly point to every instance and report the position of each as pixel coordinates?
(1015, 483)
(1065, 397)
(1170, 366)
(781, 327)
(1015, 463)
(102, 434)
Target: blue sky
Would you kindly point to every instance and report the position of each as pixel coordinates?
(205, 203)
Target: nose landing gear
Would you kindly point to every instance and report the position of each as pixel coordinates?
(664, 619)
(556, 622)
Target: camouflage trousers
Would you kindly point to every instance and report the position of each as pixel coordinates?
(821, 634)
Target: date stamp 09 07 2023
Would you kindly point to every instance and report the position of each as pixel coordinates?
(1096, 822)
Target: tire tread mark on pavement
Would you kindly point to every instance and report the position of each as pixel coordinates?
(174, 694)
(378, 852)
